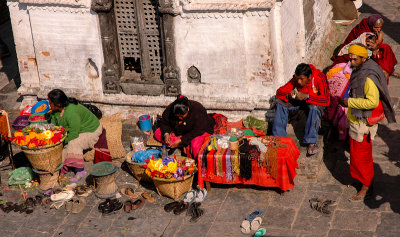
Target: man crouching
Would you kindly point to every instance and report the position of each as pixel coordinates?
(307, 90)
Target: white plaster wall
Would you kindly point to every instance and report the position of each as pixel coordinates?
(216, 48)
(259, 60)
(64, 42)
(291, 33)
(24, 47)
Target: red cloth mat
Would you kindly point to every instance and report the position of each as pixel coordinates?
(287, 156)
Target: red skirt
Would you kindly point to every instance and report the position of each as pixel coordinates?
(361, 163)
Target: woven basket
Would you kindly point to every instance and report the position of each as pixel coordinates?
(137, 169)
(173, 188)
(46, 159)
(48, 180)
(105, 186)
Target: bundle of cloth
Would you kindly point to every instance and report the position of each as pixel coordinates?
(338, 81)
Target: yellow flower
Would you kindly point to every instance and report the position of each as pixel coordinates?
(172, 167)
(158, 165)
(47, 134)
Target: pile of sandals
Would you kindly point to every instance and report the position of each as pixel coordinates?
(322, 205)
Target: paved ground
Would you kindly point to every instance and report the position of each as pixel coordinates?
(226, 206)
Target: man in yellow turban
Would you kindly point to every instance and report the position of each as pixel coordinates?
(369, 95)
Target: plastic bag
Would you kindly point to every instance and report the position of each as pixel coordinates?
(252, 122)
(141, 156)
(20, 176)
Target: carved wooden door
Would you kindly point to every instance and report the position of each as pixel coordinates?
(138, 29)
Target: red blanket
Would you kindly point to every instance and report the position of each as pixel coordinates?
(385, 58)
(357, 31)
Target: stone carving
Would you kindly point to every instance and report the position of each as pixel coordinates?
(194, 75)
(171, 80)
(102, 6)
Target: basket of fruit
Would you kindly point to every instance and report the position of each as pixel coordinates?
(42, 145)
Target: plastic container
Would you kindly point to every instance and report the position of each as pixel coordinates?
(145, 123)
(164, 152)
(137, 144)
(233, 143)
(42, 106)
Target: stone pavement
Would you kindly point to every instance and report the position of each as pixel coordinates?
(326, 174)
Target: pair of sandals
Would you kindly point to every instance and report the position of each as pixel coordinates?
(252, 222)
(192, 209)
(110, 206)
(323, 206)
(195, 195)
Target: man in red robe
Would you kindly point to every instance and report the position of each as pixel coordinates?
(307, 90)
(383, 55)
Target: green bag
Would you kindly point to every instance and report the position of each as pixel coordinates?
(252, 122)
(20, 176)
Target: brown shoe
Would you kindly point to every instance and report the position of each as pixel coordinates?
(78, 205)
(128, 206)
(68, 205)
(148, 197)
(129, 192)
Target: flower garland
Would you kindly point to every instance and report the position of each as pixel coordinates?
(39, 136)
(169, 168)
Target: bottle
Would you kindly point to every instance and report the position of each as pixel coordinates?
(164, 151)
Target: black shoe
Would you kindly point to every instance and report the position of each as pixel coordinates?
(171, 206)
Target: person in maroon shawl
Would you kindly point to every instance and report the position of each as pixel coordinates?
(383, 55)
(372, 24)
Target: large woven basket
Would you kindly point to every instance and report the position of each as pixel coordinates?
(46, 159)
(137, 169)
(173, 188)
(105, 186)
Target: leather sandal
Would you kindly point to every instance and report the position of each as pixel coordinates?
(138, 203)
(128, 206)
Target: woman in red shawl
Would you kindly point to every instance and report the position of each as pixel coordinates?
(383, 55)
(372, 24)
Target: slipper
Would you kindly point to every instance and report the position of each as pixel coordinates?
(255, 224)
(138, 203)
(322, 206)
(260, 232)
(129, 192)
(190, 196)
(148, 197)
(196, 212)
(83, 191)
(71, 186)
(312, 149)
(171, 206)
(181, 208)
(46, 202)
(201, 195)
(38, 200)
(62, 196)
(245, 227)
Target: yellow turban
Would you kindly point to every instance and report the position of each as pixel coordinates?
(358, 50)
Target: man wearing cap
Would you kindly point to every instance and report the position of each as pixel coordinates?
(368, 90)
(307, 90)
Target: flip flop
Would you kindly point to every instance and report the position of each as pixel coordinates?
(201, 195)
(62, 196)
(245, 227)
(257, 213)
(256, 223)
(260, 232)
(138, 203)
(78, 205)
(148, 197)
(190, 196)
(68, 205)
(171, 206)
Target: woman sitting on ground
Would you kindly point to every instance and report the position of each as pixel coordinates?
(371, 24)
(82, 126)
(185, 123)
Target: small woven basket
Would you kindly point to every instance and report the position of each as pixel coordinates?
(48, 180)
(46, 159)
(137, 169)
(173, 188)
(105, 186)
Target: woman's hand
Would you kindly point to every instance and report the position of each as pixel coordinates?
(167, 138)
(176, 143)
